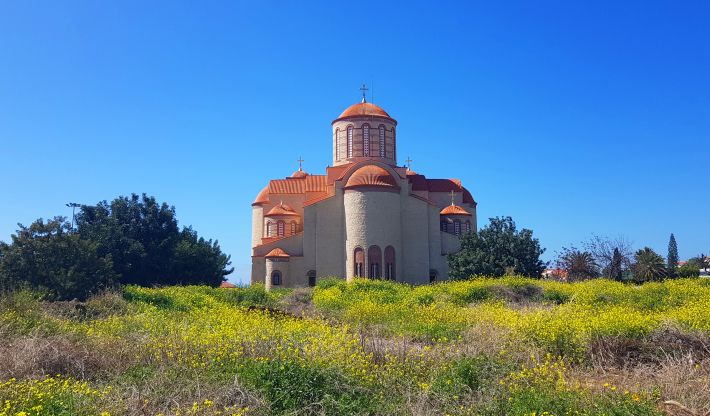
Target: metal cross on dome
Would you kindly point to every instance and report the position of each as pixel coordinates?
(364, 90)
(452, 197)
(300, 163)
(409, 162)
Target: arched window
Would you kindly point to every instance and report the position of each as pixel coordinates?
(337, 144)
(374, 258)
(280, 229)
(468, 226)
(433, 274)
(269, 229)
(457, 227)
(394, 144)
(443, 225)
(382, 141)
(390, 271)
(311, 278)
(293, 227)
(359, 262)
(350, 141)
(275, 278)
(366, 140)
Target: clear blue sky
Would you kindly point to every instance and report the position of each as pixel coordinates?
(572, 117)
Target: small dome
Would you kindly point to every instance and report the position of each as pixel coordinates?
(371, 175)
(227, 285)
(281, 209)
(262, 197)
(277, 252)
(411, 172)
(299, 174)
(364, 109)
(454, 210)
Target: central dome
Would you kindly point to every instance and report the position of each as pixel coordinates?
(364, 109)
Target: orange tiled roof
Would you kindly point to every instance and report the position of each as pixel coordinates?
(277, 252)
(309, 183)
(364, 109)
(263, 197)
(226, 285)
(371, 175)
(281, 209)
(298, 174)
(454, 210)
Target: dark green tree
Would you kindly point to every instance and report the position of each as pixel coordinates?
(672, 256)
(48, 257)
(579, 265)
(497, 247)
(147, 247)
(649, 266)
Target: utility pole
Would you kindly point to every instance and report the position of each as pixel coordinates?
(73, 206)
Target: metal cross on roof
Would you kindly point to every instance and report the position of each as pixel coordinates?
(452, 197)
(409, 163)
(300, 163)
(364, 90)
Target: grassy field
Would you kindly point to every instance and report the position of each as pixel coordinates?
(508, 346)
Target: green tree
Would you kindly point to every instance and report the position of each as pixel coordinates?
(688, 270)
(579, 265)
(50, 258)
(495, 248)
(649, 266)
(147, 247)
(672, 256)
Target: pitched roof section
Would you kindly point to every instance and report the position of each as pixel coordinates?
(421, 183)
(454, 210)
(308, 183)
(281, 209)
(277, 252)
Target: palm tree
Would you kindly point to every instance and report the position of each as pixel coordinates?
(579, 265)
(649, 266)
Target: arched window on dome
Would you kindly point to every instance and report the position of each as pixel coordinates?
(468, 226)
(275, 278)
(382, 141)
(457, 227)
(366, 140)
(293, 227)
(394, 144)
(280, 228)
(443, 225)
(350, 141)
(390, 271)
(269, 229)
(374, 258)
(337, 144)
(359, 262)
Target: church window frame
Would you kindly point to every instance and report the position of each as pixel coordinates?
(280, 228)
(337, 144)
(358, 262)
(390, 264)
(443, 225)
(366, 140)
(468, 226)
(293, 227)
(382, 140)
(276, 278)
(350, 141)
(269, 229)
(457, 227)
(374, 262)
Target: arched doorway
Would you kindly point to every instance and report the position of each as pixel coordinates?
(358, 270)
(433, 274)
(390, 270)
(311, 278)
(374, 259)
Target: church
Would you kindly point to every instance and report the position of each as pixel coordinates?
(365, 217)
